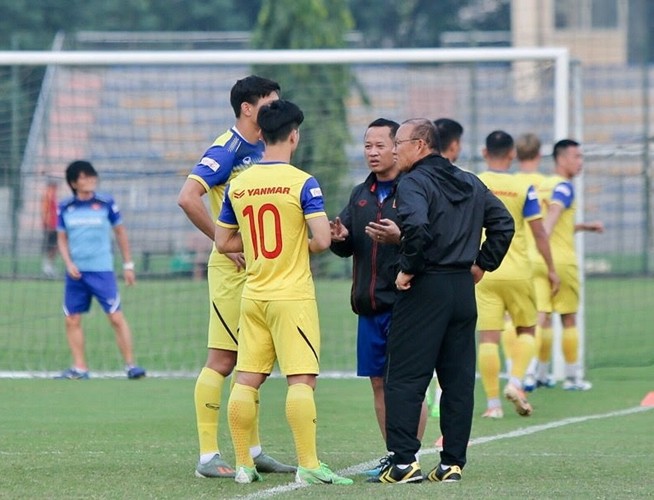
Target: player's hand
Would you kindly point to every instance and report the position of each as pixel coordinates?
(594, 227)
(384, 231)
(129, 276)
(238, 259)
(338, 231)
(555, 282)
(477, 273)
(73, 272)
(403, 281)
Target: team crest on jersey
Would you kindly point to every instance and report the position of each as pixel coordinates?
(211, 163)
(362, 203)
(95, 206)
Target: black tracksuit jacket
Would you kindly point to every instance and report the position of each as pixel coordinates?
(438, 235)
(374, 264)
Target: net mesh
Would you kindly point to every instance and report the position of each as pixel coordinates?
(145, 127)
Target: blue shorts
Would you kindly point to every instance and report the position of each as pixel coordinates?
(372, 334)
(101, 285)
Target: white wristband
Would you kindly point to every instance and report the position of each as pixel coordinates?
(128, 266)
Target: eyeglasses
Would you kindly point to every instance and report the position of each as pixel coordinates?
(398, 141)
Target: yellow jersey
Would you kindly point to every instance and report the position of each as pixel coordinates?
(557, 189)
(520, 199)
(226, 158)
(535, 179)
(270, 203)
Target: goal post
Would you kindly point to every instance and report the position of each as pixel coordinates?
(560, 57)
(144, 117)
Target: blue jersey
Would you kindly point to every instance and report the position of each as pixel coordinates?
(88, 225)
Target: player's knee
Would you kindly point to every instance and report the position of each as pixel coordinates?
(221, 361)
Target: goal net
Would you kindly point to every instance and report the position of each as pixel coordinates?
(144, 119)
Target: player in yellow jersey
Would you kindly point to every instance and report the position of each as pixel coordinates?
(529, 157)
(267, 213)
(558, 198)
(231, 154)
(510, 288)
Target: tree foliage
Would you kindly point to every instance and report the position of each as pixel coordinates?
(35, 22)
(320, 90)
(382, 23)
(406, 23)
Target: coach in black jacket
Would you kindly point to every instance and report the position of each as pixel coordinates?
(367, 230)
(442, 211)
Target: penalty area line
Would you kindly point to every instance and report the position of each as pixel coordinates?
(525, 431)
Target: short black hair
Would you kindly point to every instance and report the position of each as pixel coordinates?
(384, 122)
(278, 119)
(251, 89)
(448, 131)
(76, 168)
(499, 143)
(563, 144)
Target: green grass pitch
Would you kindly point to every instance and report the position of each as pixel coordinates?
(114, 438)
(108, 438)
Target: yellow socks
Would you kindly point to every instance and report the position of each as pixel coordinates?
(523, 352)
(570, 345)
(207, 397)
(545, 351)
(255, 441)
(301, 417)
(537, 340)
(489, 368)
(508, 340)
(242, 414)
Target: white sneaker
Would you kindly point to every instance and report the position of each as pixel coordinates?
(48, 270)
(493, 413)
(246, 475)
(576, 384)
(529, 383)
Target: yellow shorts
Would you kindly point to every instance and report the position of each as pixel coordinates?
(284, 330)
(225, 290)
(566, 301)
(495, 297)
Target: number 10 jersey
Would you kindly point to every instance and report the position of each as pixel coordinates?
(270, 203)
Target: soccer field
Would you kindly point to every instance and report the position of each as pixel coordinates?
(136, 439)
(114, 438)
(169, 322)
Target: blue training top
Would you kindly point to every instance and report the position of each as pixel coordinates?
(88, 225)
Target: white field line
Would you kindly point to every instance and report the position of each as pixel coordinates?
(526, 431)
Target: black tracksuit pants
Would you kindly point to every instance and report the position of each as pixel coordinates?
(433, 327)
